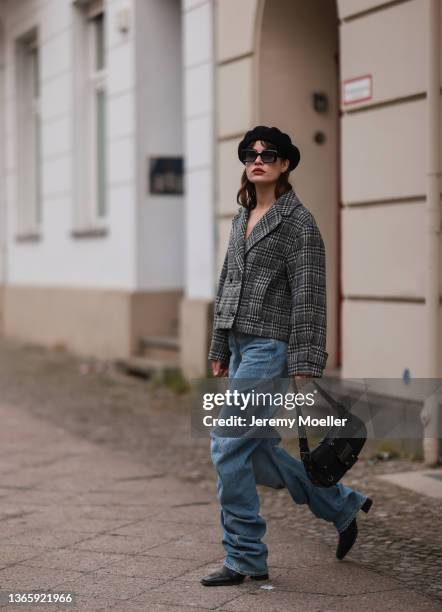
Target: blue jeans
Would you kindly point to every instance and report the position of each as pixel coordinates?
(242, 462)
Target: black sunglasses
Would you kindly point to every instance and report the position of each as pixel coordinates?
(268, 156)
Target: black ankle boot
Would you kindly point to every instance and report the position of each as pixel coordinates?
(346, 539)
(225, 577)
(367, 505)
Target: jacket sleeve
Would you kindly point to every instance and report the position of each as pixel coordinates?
(219, 347)
(306, 352)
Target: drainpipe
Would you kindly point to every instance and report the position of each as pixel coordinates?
(430, 410)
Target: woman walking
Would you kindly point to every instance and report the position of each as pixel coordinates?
(270, 323)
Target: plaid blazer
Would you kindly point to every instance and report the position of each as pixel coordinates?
(273, 285)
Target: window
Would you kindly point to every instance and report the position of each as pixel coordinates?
(98, 105)
(28, 126)
(90, 134)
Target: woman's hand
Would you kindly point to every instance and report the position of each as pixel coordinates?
(301, 380)
(220, 369)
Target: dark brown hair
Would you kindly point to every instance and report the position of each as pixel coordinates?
(246, 195)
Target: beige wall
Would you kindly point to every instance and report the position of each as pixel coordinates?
(349, 8)
(235, 94)
(390, 45)
(267, 74)
(238, 21)
(297, 56)
(383, 190)
(230, 170)
(154, 313)
(2, 304)
(235, 26)
(383, 153)
(99, 323)
(380, 253)
(381, 339)
(286, 46)
(89, 322)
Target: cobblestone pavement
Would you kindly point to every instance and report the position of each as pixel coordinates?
(99, 473)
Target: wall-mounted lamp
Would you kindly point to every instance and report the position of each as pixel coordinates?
(320, 102)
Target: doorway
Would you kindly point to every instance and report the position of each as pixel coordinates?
(297, 89)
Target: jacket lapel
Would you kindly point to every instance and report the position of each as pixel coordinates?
(264, 226)
(239, 233)
(268, 222)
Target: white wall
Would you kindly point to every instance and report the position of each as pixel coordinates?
(3, 251)
(198, 65)
(58, 259)
(160, 218)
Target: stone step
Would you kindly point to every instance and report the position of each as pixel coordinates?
(171, 343)
(146, 367)
(162, 348)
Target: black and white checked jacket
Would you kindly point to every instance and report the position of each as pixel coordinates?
(273, 285)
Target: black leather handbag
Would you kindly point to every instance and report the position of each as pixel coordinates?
(338, 451)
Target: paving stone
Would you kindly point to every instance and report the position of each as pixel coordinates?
(211, 534)
(299, 601)
(113, 543)
(337, 578)
(116, 466)
(181, 593)
(69, 559)
(291, 555)
(154, 529)
(91, 604)
(133, 606)
(127, 513)
(46, 539)
(15, 554)
(100, 585)
(41, 498)
(97, 526)
(21, 577)
(148, 567)
(198, 514)
(186, 548)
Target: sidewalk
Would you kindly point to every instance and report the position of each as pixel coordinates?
(80, 518)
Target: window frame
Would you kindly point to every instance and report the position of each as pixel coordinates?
(97, 86)
(28, 135)
(91, 208)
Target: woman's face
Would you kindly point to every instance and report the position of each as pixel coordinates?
(259, 172)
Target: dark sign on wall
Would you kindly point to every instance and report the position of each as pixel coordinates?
(166, 175)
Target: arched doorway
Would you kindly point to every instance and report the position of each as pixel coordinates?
(296, 89)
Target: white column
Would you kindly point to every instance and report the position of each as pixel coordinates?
(199, 135)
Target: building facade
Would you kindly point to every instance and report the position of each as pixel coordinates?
(91, 258)
(349, 82)
(93, 93)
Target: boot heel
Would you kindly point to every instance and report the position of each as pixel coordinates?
(367, 505)
(261, 577)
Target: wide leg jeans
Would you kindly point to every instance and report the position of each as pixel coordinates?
(242, 462)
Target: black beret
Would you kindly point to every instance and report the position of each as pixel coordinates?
(281, 141)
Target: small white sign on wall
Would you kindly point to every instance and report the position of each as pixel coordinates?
(358, 89)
